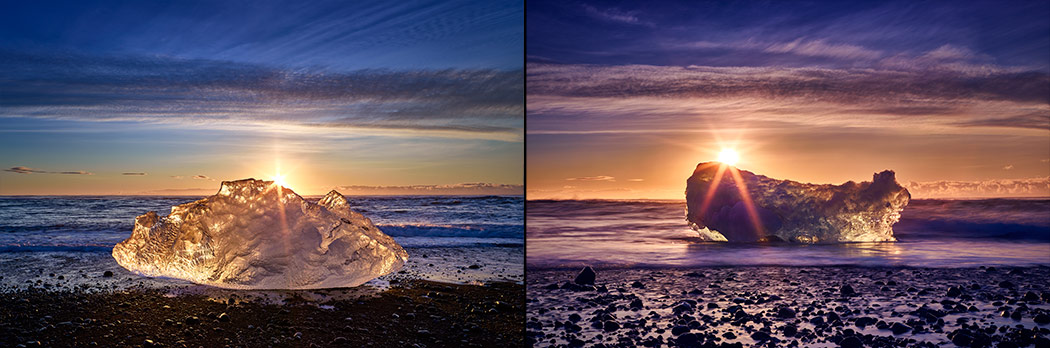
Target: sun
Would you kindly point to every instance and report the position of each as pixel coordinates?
(728, 156)
(279, 180)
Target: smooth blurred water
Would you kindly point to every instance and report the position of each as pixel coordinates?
(931, 233)
(96, 223)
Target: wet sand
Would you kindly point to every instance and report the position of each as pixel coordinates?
(443, 297)
(791, 307)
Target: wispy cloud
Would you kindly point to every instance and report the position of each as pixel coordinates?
(1008, 167)
(821, 48)
(613, 15)
(810, 96)
(1031, 187)
(455, 189)
(27, 170)
(202, 177)
(133, 173)
(208, 92)
(593, 178)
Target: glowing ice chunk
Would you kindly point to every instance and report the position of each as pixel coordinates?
(256, 235)
(791, 211)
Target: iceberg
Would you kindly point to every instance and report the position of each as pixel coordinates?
(728, 204)
(254, 234)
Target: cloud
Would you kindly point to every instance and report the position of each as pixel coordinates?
(135, 173)
(1031, 187)
(946, 98)
(213, 93)
(636, 180)
(820, 48)
(27, 170)
(181, 191)
(202, 177)
(1008, 167)
(177, 177)
(593, 178)
(612, 15)
(455, 189)
(949, 52)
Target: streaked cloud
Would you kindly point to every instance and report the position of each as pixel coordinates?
(1031, 187)
(27, 170)
(946, 98)
(455, 189)
(133, 173)
(202, 177)
(613, 15)
(211, 93)
(593, 178)
(821, 48)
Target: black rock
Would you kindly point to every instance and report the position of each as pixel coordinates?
(193, 321)
(586, 276)
(679, 330)
(688, 340)
(636, 304)
(1042, 318)
(474, 266)
(899, 328)
(786, 312)
(865, 321)
(1030, 296)
(847, 290)
(683, 307)
(1006, 284)
(107, 274)
(954, 291)
(224, 317)
(789, 330)
(150, 344)
(851, 342)
(760, 336)
(961, 338)
(574, 317)
(611, 326)
(637, 284)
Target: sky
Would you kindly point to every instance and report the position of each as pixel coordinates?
(151, 97)
(625, 98)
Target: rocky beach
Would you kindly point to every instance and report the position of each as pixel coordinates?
(775, 306)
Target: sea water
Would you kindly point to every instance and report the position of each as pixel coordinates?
(654, 233)
(444, 235)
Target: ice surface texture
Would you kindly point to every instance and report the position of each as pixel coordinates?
(257, 235)
(791, 211)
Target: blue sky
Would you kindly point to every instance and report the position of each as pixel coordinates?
(347, 94)
(624, 98)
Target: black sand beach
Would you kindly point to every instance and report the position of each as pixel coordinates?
(444, 297)
(791, 307)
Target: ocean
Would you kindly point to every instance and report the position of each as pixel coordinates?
(444, 235)
(654, 233)
(96, 223)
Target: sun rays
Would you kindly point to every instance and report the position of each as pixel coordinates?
(727, 158)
